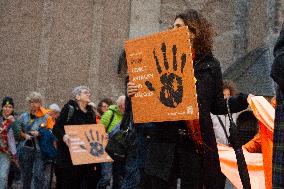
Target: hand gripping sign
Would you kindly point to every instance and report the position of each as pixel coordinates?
(87, 144)
(161, 65)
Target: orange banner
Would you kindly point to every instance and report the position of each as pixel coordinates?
(265, 113)
(229, 167)
(259, 164)
(87, 144)
(161, 65)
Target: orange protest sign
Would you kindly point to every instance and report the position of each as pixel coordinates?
(161, 65)
(87, 144)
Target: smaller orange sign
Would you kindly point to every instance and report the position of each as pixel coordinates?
(87, 144)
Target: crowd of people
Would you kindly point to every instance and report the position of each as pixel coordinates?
(159, 155)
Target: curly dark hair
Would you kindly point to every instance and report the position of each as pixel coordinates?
(108, 101)
(197, 24)
(227, 84)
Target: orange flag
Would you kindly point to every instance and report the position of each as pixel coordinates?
(259, 165)
(265, 113)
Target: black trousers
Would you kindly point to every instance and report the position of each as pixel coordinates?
(186, 165)
(77, 177)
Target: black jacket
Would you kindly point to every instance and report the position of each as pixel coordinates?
(78, 118)
(277, 71)
(209, 87)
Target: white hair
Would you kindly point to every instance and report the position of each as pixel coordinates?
(120, 100)
(54, 107)
(35, 97)
(77, 91)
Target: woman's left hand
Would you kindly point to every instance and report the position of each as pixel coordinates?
(34, 133)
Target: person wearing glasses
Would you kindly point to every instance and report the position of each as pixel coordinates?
(76, 111)
(34, 172)
(104, 105)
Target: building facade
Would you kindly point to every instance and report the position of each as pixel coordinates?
(52, 46)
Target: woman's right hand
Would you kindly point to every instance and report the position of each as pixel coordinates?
(132, 89)
(11, 118)
(27, 136)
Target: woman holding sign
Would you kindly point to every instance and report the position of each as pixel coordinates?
(75, 112)
(171, 154)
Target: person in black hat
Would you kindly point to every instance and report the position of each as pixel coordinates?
(7, 141)
(7, 113)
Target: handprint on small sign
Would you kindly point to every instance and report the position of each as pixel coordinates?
(171, 92)
(97, 148)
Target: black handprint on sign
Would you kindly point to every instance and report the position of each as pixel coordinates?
(97, 148)
(172, 88)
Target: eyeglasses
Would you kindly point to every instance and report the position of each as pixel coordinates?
(86, 92)
(34, 101)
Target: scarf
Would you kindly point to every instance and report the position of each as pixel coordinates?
(4, 136)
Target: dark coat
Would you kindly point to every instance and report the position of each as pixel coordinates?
(78, 118)
(162, 153)
(209, 87)
(277, 70)
(277, 73)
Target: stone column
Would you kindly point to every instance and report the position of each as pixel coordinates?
(42, 72)
(274, 11)
(274, 7)
(241, 14)
(112, 29)
(144, 19)
(94, 72)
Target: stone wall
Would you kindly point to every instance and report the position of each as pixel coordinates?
(20, 33)
(53, 46)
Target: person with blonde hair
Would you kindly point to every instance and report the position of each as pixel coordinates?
(34, 172)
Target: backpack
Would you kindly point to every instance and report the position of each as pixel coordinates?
(117, 145)
(71, 113)
(46, 145)
(121, 140)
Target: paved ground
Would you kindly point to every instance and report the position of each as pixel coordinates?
(17, 185)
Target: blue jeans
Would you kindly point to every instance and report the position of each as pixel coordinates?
(106, 174)
(4, 170)
(34, 172)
